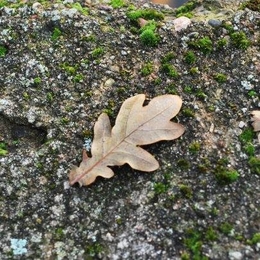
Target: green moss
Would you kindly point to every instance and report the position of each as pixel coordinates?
(157, 81)
(239, 40)
(97, 53)
(185, 256)
(194, 70)
(190, 57)
(185, 10)
(188, 89)
(194, 147)
(168, 57)
(254, 164)
(211, 234)
(204, 44)
(239, 237)
(121, 90)
(119, 220)
(90, 38)
(37, 80)
(160, 188)
(3, 149)
(151, 25)
(214, 211)
(193, 242)
(93, 249)
(247, 136)
(109, 110)
(3, 51)
(249, 149)
(59, 234)
(183, 164)
(255, 239)
(39, 165)
(149, 38)
(3, 3)
(188, 112)
(169, 70)
(221, 43)
(210, 108)
(64, 120)
(226, 228)
(147, 69)
(78, 77)
(147, 14)
(82, 10)
(70, 70)
(117, 3)
(148, 35)
(56, 34)
(203, 168)
(26, 96)
(171, 89)
(186, 191)
(225, 176)
(50, 97)
(228, 27)
(252, 94)
(220, 77)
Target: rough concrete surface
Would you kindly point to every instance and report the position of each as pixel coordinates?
(63, 63)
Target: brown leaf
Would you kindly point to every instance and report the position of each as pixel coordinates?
(135, 125)
(256, 119)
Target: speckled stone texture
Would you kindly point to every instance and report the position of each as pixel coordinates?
(62, 64)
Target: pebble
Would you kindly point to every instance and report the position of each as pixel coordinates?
(5, 104)
(181, 23)
(241, 124)
(37, 7)
(247, 85)
(235, 255)
(214, 23)
(109, 83)
(114, 68)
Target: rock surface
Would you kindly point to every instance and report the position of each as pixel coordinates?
(64, 63)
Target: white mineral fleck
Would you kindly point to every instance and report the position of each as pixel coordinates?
(123, 244)
(5, 104)
(31, 115)
(241, 124)
(247, 85)
(235, 255)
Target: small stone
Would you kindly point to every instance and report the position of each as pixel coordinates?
(142, 22)
(37, 7)
(181, 23)
(109, 237)
(123, 244)
(241, 124)
(109, 83)
(68, 2)
(214, 23)
(235, 255)
(5, 104)
(246, 84)
(114, 68)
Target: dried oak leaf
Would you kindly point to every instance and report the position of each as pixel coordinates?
(256, 120)
(135, 125)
